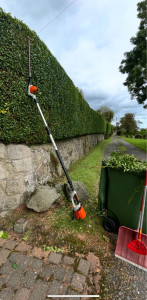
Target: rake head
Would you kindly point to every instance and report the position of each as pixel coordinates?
(138, 247)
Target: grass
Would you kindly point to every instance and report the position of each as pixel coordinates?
(139, 143)
(87, 169)
(123, 149)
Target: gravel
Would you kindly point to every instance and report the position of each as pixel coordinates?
(123, 281)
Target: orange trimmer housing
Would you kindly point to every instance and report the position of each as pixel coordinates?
(80, 214)
(33, 89)
(78, 209)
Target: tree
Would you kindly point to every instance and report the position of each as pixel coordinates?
(134, 63)
(106, 112)
(128, 123)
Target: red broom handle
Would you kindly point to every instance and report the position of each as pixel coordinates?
(143, 202)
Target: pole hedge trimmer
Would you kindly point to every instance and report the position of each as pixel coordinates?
(78, 209)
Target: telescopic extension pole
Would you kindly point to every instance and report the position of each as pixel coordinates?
(77, 207)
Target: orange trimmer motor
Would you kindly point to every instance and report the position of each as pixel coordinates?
(80, 214)
(78, 209)
(33, 89)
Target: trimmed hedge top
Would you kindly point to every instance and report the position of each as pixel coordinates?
(64, 108)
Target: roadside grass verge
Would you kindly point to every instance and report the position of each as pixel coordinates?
(139, 143)
(88, 168)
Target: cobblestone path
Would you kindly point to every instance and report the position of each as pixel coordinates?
(26, 277)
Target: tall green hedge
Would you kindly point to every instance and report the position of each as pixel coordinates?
(109, 129)
(64, 108)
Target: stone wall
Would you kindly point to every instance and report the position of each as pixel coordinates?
(22, 168)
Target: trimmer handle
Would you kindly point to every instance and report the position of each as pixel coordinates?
(74, 198)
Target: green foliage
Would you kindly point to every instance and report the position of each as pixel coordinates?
(109, 129)
(142, 134)
(64, 108)
(134, 63)
(128, 124)
(126, 163)
(3, 235)
(106, 112)
(14, 266)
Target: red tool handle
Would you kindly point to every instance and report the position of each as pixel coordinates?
(143, 192)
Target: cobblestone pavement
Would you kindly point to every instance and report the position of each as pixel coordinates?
(24, 276)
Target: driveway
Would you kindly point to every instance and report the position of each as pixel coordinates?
(119, 144)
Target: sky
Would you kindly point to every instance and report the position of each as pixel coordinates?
(89, 39)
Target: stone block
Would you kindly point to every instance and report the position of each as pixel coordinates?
(47, 271)
(10, 244)
(2, 281)
(22, 165)
(55, 288)
(18, 151)
(67, 260)
(22, 293)
(78, 281)
(24, 263)
(69, 276)
(38, 252)
(84, 266)
(22, 247)
(12, 202)
(43, 198)
(2, 242)
(14, 281)
(6, 294)
(59, 273)
(40, 290)
(2, 151)
(20, 226)
(4, 253)
(29, 279)
(3, 171)
(15, 257)
(36, 264)
(79, 188)
(14, 186)
(55, 258)
(7, 269)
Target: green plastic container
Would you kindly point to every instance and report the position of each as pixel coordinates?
(120, 195)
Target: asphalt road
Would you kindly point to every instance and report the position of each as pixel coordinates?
(118, 144)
